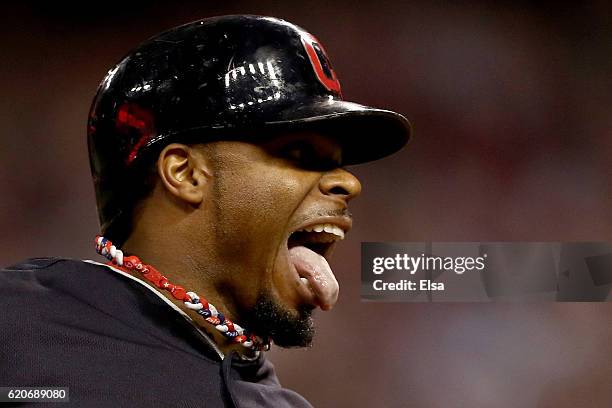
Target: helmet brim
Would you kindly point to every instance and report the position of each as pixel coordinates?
(365, 133)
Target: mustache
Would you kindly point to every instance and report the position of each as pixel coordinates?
(338, 212)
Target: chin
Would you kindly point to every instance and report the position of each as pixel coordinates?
(286, 327)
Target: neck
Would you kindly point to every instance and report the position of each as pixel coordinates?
(178, 264)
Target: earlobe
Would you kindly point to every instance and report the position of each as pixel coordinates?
(183, 173)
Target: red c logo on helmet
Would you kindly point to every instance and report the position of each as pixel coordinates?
(321, 64)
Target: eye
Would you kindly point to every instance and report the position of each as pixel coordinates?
(299, 152)
(306, 155)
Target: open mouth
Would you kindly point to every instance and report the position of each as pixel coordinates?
(309, 249)
(319, 238)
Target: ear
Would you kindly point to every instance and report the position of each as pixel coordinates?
(184, 172)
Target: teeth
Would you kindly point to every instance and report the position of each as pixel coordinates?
(328, 228)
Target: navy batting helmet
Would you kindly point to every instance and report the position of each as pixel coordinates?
(238, 77)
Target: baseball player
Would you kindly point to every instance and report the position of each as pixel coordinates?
(217, 150)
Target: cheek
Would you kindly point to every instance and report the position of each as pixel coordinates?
(253, 211)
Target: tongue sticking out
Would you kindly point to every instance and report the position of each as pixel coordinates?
(315, 269)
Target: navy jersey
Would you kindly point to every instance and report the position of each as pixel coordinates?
(115, 341)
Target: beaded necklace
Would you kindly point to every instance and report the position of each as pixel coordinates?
(192, 301)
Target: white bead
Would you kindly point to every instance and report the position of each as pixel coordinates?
(100, 241)
(119, 257)
(194, 306)
(213, 310)
(247, 343)
(222, 328)
(238, 329)
(113, 251)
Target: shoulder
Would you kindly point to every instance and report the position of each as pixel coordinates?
(39, 294)
(43, 295)
(78, 324)
(25, 284)
(48, 302)
(49, 287)
(36, 274)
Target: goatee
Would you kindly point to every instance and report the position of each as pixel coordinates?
(286, 328)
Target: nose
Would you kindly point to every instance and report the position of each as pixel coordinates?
(340, 183)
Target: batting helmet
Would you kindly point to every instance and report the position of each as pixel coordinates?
(236, 77)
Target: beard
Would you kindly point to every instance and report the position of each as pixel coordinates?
(287, 328)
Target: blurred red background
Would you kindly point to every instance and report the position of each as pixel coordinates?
(511, 106)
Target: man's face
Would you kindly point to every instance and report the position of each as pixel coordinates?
(279, 207)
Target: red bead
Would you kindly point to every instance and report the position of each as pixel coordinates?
(229, 324)
(163, 282)
(130, 261)
(240, 339)
(153, 276)
(213, 320)
(179, 292)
